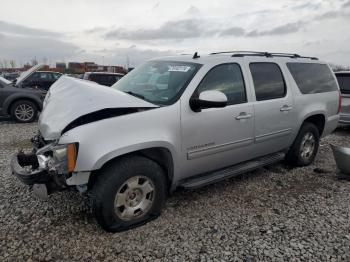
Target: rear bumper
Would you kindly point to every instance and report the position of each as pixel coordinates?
(344, 119)
(28, 177)
(331, 124)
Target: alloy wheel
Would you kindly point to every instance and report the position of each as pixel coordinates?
(24, 112)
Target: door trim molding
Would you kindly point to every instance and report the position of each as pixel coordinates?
(280, 133)
(218, 148)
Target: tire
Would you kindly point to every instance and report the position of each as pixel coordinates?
(303, 153)
(23, 111)
(113, 212)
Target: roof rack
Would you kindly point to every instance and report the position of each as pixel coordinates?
(266, 54)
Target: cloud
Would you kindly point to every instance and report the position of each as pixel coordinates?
(309, 5)
(346, 4)
(279, 30)
(333, 14)
(186, 28)
(192, 11)
(23, 43)
(120, 55)
(25, 48)
(16, 29)
(233, 31)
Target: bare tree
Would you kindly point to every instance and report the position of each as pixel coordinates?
(13, 63)
(34, 61)
(337, 68)
(5, 63)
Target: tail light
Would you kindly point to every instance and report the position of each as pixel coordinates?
(339, 103)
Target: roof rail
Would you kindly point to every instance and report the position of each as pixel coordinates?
(266, 54)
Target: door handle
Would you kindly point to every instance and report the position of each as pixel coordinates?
(243, 115)
(286, 108)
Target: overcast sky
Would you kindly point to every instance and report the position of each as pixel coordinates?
(112, 31)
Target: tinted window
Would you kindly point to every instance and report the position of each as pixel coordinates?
(228, 79)
(45, 76)
(344, 82)
(34, 76)
(102, 79)
(312, 78)
(268, 81)
(56, 76)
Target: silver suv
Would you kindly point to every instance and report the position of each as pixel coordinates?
(207, 118)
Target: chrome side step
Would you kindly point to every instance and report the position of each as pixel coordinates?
(209, 178)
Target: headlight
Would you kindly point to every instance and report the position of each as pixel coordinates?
(60, 154)
(64, 156)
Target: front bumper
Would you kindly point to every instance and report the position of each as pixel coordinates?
(43, 181)
(26, 176)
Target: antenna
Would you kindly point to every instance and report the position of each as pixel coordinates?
(195, 56)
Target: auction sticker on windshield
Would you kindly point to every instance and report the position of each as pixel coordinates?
(178, 68)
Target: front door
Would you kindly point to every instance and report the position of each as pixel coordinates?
(217, 137)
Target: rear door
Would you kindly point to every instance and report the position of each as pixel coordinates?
(274, 108)
(344, 84)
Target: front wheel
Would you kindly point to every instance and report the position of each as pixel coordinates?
(128, 193)
(305, 146)
(24, 111)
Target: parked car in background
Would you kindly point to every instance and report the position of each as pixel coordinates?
(11, 76)
(19, 102)
(103, 78)
(343, 78)
(41, 80)
(210, 118)
(80, 76)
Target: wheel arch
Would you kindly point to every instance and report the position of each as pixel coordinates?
(8, 103)
(161, 155)
(318, 119)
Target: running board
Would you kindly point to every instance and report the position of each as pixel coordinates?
(209, 178)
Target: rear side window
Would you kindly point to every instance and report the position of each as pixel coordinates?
(268, 81)
(312, 78)
(228, 79)
(344, 83)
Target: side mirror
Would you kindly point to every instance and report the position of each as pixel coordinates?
(208, 99)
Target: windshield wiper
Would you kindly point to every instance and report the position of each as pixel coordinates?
(135, 94)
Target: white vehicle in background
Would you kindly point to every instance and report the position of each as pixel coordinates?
(344, 84)
(184, 121)
(4, 81)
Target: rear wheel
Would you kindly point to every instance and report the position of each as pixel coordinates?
(305, 146)
(128, 193)
(24, 111)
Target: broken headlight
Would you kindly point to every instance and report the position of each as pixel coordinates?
(60, 158)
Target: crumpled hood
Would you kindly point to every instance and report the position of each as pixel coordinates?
(70, 98)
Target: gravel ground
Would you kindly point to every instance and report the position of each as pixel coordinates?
(271, 214)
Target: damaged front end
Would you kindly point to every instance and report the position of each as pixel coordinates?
(47, 168)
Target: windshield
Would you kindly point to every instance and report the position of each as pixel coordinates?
(158, 82)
